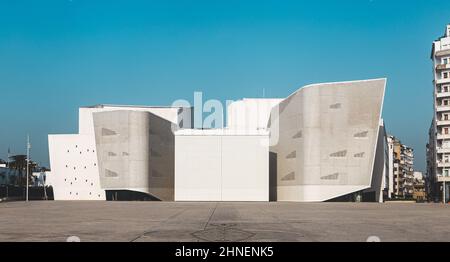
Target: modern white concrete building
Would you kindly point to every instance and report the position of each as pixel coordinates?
(439, 144)
(325, 142)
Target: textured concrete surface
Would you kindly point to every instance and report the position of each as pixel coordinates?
(159, 221)
(325, 138)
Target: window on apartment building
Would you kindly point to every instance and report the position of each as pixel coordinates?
(445, 61)
(446, 131)
(445, 75)
(445, 118)
(445, 102)
(445, 172)
(444, 89)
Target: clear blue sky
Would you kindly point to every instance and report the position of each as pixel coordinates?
(58, 55)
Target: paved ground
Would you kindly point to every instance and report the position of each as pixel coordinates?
(157, 221)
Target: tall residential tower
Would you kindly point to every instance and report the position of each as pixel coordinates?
(439, 145)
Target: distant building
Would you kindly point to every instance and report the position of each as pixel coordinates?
(420, 193)
(401, 170)
(41, 178)
(9, 176)
(438, 148)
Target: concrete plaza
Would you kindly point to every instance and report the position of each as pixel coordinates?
(268, 222)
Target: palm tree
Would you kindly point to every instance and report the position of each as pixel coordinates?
(19, 163)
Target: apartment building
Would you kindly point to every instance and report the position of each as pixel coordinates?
(438, 150)
(401, 170)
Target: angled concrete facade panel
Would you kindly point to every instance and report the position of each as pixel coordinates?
(136, 152)
(339, 125)
(122, 140)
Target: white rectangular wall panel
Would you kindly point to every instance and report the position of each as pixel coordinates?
(221, 167)
(245, 168)
(73, 159)
(198, 168)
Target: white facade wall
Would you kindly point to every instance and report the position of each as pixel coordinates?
(221, 166)
(73, 161)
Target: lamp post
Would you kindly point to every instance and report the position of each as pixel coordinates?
(28, 164)
(443, 191)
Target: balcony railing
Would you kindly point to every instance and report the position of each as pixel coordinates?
(441, 178)
(442, 108)
(443, 150)
(443, 122)
(443, 66)
(443, 136)
(442, 81)
(442, 94)
(443, 164)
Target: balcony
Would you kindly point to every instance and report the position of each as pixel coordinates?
(443, 123)
(443, 66)
(443, 108)
(443, 81)
(441, 178)
(443, 164)
(443, 150)
(442, 94)
(441, 53)
(442, 136)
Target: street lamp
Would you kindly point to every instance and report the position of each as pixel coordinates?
(28, 163)
(443, 190)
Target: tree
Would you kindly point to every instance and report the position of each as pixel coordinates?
(19, 163)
